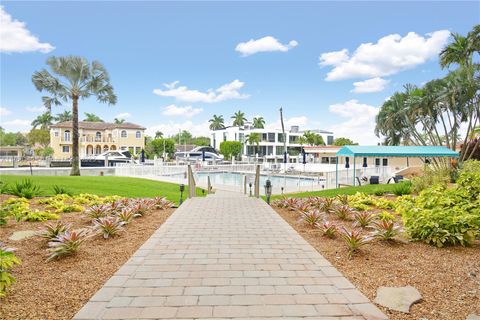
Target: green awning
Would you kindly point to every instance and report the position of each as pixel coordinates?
(396, 151)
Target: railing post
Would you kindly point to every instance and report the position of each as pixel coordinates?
(257, 181)
(209, 185)
(191, 183)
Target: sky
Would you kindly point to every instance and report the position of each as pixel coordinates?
(173, 65)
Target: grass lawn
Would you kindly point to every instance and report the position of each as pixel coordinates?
(105, 186)
(369, 189)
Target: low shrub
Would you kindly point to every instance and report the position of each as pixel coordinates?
(385, 229)
(38, 216)
(17, 208)
(108, 226)
(7, 261)
(385, 216)
(4, 188)
(429, 178)
(360, 201)
(378, 192)
(66, 243)
(354, 240)
(25, 189)
(383, 203)
(402, 188)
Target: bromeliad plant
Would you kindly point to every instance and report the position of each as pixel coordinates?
(25, 189)
(108, 226)
(53, 230)
(343, 212)
(140, 207)
(66, 243)
(311, 218)
(385, 230)
(126, 215)
(354, 240)
(7, 261)
(162, 203)
(328, 205)
(98, 211)
(363, 219)
(329, 229)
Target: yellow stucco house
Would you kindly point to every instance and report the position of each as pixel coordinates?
(96, 137)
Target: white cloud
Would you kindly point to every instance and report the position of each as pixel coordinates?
(4, 111)
(228, 91)
(265, 44)
(371, 85)
(174, 111)
(171, 128)
(17, 38)
(36, 109)
(16, 125)
(391, 54)
(123, 115)
(359, 124)
(300, 121)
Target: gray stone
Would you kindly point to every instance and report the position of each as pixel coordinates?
(397, 298)
(473, 317)
(20, 235)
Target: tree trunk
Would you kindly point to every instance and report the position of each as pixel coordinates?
(75, 156)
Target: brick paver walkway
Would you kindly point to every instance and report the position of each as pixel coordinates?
(227, 256)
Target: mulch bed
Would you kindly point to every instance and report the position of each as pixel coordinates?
(58, 289)
(447, 278)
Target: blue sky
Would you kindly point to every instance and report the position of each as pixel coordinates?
(164, 57)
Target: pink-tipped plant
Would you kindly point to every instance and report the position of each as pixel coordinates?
(302, 207)
(385, 230)
(65, 244)
(328, 205)
(115, 207)
(139, 207)
(53, 230)
(329, 229)
(354, 240)
(108, 226)
(291, 204)
(342, 198)
(311, 218)
(162, 203)
(343, 212)
(97, 211)
(126, 215)
(363, 219)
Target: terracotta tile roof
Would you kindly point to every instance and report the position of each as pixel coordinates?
(98, 125)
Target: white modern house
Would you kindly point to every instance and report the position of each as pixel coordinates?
(271, 140)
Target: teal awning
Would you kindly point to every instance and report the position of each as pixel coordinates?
(396, 151)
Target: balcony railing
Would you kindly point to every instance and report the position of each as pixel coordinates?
(91, 139)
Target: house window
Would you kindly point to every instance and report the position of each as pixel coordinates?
(280, 137)
(123, 134)
(66, 136)
(138, 134)
(325, 160)
(224, 136)
(329, 140)
(384, 162)
(98, 136)
(241, 137)
(271, 137)
(377, 162)
(55, 133)
(293, 139)
(333, 160)
(66, 149)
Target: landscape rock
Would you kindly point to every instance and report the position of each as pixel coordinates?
(473, 317)
(397, 298)
(20, 235)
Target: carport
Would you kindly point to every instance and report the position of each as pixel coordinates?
(366, 152)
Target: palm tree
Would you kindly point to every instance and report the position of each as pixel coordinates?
(216, 123)
(118, 121)
(64, 116)
(302, 141)
(74, 79)
(90, 117)
(254, 139)
(239, 119)
(158, 135)
(44, 121)
(259, 122)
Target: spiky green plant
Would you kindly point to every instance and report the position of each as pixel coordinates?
(385, 230)
(25, 189)
(364, 218)
(311, 218)
(66, 243)
(343, 212)
(329, 229)
(108, 226)
(354, 240)
(53, 230)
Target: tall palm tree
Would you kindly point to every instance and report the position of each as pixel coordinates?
(216, 123)
(64, 116)
(258, 122)
(118, 121)
(90, 117)
(73, 79)
(43, 121)
(158, 135)
(254, 139)
(238, 119)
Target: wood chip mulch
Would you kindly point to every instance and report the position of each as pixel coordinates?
(58, 289)
(448, 278)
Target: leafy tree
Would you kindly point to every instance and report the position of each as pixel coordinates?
(118, 121)
(12, 138)
(158, 134)
(90, 117)
(43, 121)
(254, 139)
(156, 147)
(216, 123)
(64, 116)
(75, 79)
(39, 136)
(183, 137)
(230, 149)
(343, 142)
(44, 152)
(258, 122)
(200, 141)
(313, 139)
(239, 119)
(302, 140)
